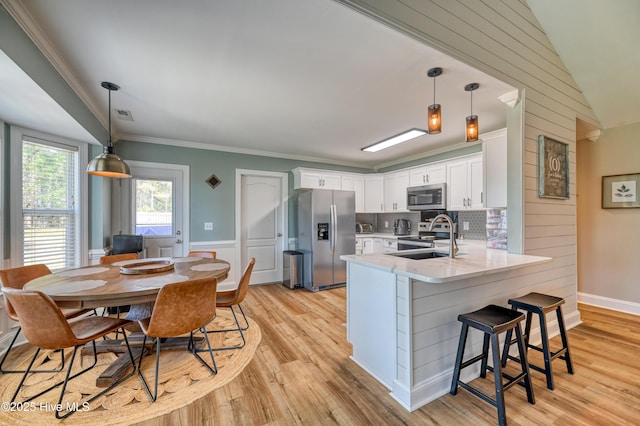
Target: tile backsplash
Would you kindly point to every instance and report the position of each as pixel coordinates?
(477, 220)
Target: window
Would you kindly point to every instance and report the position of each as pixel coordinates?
(154, 207)
(49, 224)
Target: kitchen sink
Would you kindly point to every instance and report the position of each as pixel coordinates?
(421, 255)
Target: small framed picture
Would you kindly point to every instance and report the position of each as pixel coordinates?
(553, 168)
(620, 191)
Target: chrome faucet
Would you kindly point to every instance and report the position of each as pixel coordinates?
(453, 246)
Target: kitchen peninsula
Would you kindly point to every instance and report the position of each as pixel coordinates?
(402, 313)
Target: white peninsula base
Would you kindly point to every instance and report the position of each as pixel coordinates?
(402, 314)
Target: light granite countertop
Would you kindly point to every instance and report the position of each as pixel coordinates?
(473, 260)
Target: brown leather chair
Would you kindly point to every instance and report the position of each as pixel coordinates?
(104, 260)
(45, 327)
(203, 254)
(17, 278)
(108, 260)
(180, 308)
(229, 299)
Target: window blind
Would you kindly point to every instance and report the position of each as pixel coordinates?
(50, 212)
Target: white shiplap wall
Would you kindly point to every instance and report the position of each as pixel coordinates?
(504, 40)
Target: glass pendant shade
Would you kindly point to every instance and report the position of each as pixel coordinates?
(108, 164)
(435, 123)
(472, 128)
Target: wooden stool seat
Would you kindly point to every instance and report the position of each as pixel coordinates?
(492, 320)
(540, 304)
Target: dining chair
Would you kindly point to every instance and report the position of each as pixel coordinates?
(180, 308)
(203, 254)
(231, 298)
(109, 259)
(17, 278)
(45, 327)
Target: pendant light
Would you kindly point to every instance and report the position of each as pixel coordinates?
(471, 131)
(434, 112)
(108, 164)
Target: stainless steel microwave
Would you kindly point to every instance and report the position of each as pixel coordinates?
(427, 197)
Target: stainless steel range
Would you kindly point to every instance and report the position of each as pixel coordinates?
(425, 238)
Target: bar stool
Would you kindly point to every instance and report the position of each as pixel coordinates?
(541, 304)
(493, 320)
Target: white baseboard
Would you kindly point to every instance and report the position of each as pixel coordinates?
(609, 303)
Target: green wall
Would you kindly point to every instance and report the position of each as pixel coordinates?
(216, 205)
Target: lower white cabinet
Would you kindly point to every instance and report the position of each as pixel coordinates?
(369, 245)
(389, 245)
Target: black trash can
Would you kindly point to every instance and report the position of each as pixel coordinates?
(292, 269)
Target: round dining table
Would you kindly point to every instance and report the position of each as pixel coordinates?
(129, 282)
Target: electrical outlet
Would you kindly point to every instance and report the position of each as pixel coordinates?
(208, 226)
(386, 224)
(465, 226)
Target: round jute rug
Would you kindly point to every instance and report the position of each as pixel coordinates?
(183, 380)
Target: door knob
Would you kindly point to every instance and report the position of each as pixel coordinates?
(279, 234)
(178, 241)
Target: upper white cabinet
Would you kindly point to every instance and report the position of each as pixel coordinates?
(373, 193)
(395, 191)
(494, 156)
(464, 184)
(358, 188)
(428, 174)
(316, 179)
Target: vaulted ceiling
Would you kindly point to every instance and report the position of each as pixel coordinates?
(306, 79)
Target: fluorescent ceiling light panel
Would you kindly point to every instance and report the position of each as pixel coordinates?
(394, 140)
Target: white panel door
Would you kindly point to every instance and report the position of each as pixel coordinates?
(261, 220)
(157, 201)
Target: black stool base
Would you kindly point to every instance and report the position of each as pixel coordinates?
(540, 304)
(492, 320)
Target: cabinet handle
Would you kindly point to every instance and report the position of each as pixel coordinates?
(464, 202)
(427, 176)
(482, 197)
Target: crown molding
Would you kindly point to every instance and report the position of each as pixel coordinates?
(24, 19)
(235, 150)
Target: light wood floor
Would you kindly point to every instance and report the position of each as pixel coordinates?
(302, 375)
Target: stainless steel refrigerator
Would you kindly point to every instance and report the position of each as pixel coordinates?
(326, 231)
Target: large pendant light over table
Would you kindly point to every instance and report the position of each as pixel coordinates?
(434, 113)
(108, 164)
(471, 128)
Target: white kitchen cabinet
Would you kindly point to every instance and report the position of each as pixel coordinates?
(367, 245)
(359, 245)
(373, 193)
(395, 191)
(494, 164)
(377, 245)
(371, 245)
(389, 245)
(358, 188)
(464, 184)
(316, 179)
(428, 174)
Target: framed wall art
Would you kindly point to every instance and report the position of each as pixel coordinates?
(620, 191)
(553, 168)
